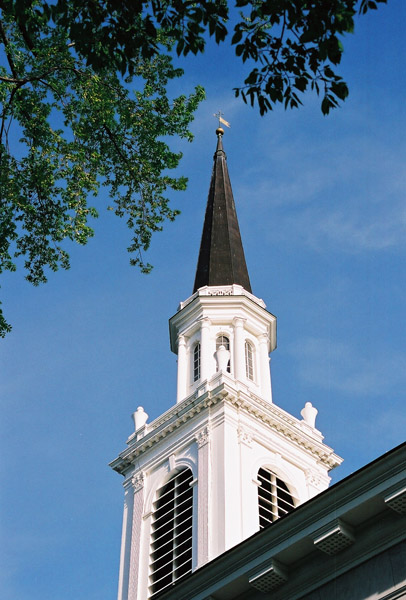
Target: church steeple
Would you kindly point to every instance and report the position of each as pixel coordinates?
(224, 461)
(221, 257)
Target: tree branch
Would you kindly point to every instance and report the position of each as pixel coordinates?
(6, 48)
(118, 149)
(4, 114)
(12, 80)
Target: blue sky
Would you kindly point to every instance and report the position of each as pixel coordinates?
(321, 206)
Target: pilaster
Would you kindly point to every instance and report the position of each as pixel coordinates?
(249, 494)
(203, 494)
(138, 503)
(232, 481)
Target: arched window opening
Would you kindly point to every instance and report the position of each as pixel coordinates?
(274, 498)
(249, 361)
(223, 340)
(171, 538)
(196, 362)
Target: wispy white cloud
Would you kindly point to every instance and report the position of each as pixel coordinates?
(354, 232)
(348, 194)
(329, 364)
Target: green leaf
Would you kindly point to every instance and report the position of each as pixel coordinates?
(325, 105)
(104, 69)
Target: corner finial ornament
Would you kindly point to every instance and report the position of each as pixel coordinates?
(309, 414)
(140, 417)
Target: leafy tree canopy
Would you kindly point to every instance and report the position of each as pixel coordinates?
(84, 103)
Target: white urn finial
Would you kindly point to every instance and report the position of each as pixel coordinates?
(140, 417)
(222, 357)
(309, 414)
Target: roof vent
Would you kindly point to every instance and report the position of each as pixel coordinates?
(333, 538)
(270, 578)
(397, 501)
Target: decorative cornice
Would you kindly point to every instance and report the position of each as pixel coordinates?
(222, 290)
(222, 388)
(234, 301)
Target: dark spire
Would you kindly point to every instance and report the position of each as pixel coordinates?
(221, 257)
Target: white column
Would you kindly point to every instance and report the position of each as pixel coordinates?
(138, 486)
(265, 371)
(239, 350)
(205, 358)
(182, 369)
(203, 490)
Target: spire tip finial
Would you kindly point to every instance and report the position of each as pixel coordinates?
(220, 130)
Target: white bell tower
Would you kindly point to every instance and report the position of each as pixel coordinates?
(224, 461)
(223, 321)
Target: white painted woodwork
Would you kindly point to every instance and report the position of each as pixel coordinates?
(224, 428)
(235, 313)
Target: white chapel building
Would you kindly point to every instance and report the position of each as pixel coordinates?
(224, 462)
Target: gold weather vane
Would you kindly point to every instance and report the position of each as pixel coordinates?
(221, 120)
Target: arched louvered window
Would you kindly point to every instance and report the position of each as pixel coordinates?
(249, 361)
(223, 340)
(171, 539)
(196, 362)
(274, 498)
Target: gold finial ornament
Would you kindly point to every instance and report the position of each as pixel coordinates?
(220, 131)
